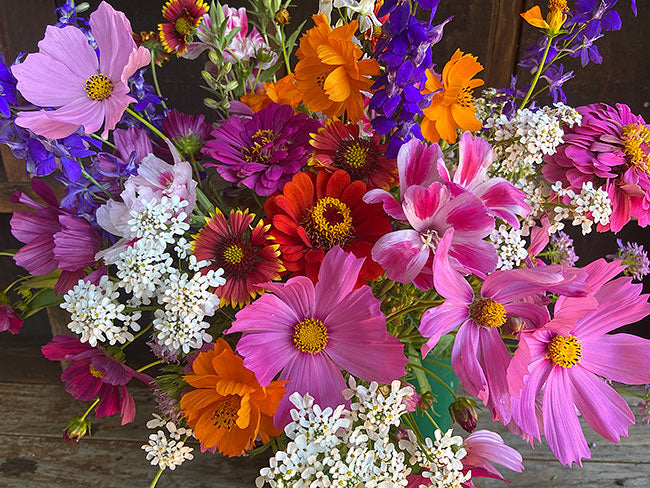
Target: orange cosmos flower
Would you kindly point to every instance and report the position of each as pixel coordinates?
(282, 92)
(329, 73)
(228, 408)
(452, 105)
(554, 20)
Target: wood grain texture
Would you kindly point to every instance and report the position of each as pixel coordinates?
(503, 45)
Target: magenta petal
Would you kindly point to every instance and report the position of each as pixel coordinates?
(114, 372)
(137, 59)
(26, 226)
(474, 256)
(447, 281)
(562, 428)
(127, 410)
(391, 206)
(484, 445)
(297, 293)
(400, 253)
(603, 409)
(337, 277)
(421, 205)
(441, 320)
(277, 314)
(464, 359)
(76, 244)
(503, 199)
(623, 358)
(475, 156)
(315, 374)
(255, 350)
(109, 401)
(536, 315)
(417, 164)
(83, 111)
(112, 32)
(37, 256)
(39, 123)
(525, 415)
(495, 359)
(115, 106)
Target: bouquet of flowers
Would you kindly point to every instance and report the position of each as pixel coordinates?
(345, 223)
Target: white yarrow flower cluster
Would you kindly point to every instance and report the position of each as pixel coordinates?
(590, 206)
(162, 219)
(95, 311)
(167, 449)
(510, 246)
(340, 447)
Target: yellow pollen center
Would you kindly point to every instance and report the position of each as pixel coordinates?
(233, 254)
(465, 97)
(558, 5)
(99, 87)
(564, 351)
(488, 313)
(329, 223)
(183, 26)
(320, 80)
(310, 336)
(225, 415)
(636, 145)
(356, 156)
(95, 373)
(259, 140)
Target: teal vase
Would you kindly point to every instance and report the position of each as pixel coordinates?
(443, 398)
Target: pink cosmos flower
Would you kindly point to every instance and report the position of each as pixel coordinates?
(307, 333)
(54, 239)
(562, 365)
(67, 75)
(432, 212)
(8, 319)
(95, 374)
(610, 147)
(500, 197)
(483, 448)
(479, 356)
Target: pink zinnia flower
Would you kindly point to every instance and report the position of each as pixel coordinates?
(309, 333)
(480, 357)
(54, 239)
(500, 197)
(484, 448)
(611, 147)
(66, 74)
(8, 318)
(563, 365)
(432, 212)
(95, 374)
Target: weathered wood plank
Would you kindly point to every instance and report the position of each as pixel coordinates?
(503, 43)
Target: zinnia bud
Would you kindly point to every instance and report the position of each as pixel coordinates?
(282, 16)
(76, 429)
(463, 411)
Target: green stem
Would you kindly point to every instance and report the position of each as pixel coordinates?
(103, 141)
(148, 124)
(435, 377)
(155, 81)
(137, 335)
(90, 409)
(284, 49)
(150, 365)
(411, 308)
(435, 424)
(538, 74)
(155, 480)
(443, 365)
(202, 198)
(636, 395)
(7, 253)
(195, 167)
(96, 183)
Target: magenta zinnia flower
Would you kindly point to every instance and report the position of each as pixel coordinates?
(564, 362)
(67, 75)
(307, 333)
(95, 374)
(480, 357)
(262, 152)
(611, 147)
(484, 448)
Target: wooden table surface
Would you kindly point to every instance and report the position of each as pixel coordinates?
(34, 409)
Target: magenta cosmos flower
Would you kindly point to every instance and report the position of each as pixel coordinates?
(611, 147)
(67, 75)
(53, 238)
(93, 373)
(484, 448)
(263, 152)
(562, 365)
(8, 318)
(309, 333)
(479, 356)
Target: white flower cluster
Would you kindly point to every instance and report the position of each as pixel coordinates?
(345, 448)
(95, 311)
(162, 219)
(523, 140)
(510, 246)
(167, 452)
(440, 459)
(143, 268)
(590, 206)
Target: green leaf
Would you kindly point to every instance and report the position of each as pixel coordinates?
(231, 35)
(291, 41)
(41, 300)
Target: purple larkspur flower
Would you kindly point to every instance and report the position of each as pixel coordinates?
(262, 152)
(562, 250)
(556, 78)
(7, 88)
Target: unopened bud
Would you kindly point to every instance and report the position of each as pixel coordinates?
(463, 411)
(282, 16)
(211, 103)
(214, 58)
(209, 79)
(513, 326)
(76, 429)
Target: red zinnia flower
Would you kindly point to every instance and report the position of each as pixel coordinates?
(316, 212)
(246, 254)
(183, 16)
(364, 158)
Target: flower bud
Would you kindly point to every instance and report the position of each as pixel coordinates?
(463, 411)
(76, 429)
(282, 16)
(512, 326)
(211, 103)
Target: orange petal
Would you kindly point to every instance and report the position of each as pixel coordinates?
(337, 86)
(465, 118)
(328, 55)
(534, 17)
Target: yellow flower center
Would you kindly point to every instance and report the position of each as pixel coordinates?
(95, 373)
(356, 155)
(183, 26)
(259, 140)
(564, 351)
(636, 145)
(465, 97)
(558, 5)
(310, 336)
(99, 87)
(233, 254)
(225, 415)
(488, 313)
(329, 223)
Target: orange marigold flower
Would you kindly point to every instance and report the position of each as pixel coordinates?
(452, 105)
(183, 18)
(282, 92)
(228, 408)
(329, 73)
(554, 20)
